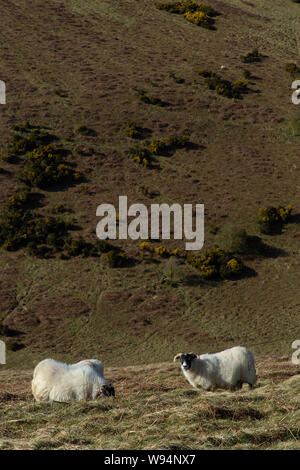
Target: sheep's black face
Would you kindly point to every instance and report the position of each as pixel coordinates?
(108, 390)
(186, 360)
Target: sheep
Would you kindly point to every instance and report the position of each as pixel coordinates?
(227, 369)
(56, 381)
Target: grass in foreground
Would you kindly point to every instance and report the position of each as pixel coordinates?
(156, 409)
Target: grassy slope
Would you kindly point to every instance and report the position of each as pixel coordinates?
(77, 62)
(155, 408)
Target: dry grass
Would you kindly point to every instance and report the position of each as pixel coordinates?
(156, 409)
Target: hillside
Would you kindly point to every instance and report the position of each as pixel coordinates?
(75, 68)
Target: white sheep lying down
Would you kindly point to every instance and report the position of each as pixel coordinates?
(227, 369)
(56, 381)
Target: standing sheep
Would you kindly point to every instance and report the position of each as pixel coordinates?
(56, 381)
(227, 369)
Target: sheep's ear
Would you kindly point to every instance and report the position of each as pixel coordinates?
(193, 354)
(178, 356)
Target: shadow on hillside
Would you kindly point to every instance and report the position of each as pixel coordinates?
(9, 332)
(295, 219)
(259, 249)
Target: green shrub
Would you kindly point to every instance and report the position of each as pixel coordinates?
(238, 241)
(116, 259)
(102, 246)
(197, 13)
(162, 147)
(247, 74)
(292, 69)
(199, 18)
(224, 87)
(44, 167)
(86, 131)
(76, 247)
(217, 264)
(185, 7)
(149, 99)
(214, 229)
(176, 79)
(177, 142)
(133, 131)
(272, 219)
(253, 56)
(141, 155)
(59, 209)
(158, 147)
(161, 251)
(25, 139)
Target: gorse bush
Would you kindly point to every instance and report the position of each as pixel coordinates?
(141, 155)
(142, 96)
(116, 259)
(158, 147)
(76, 247)
(20, 226)
(144, 155)
(161, 251)
(44, 167)
(86, 131)
(161, 147)
(224, 87)
(199, 18)
(247, 74)
(197, 13)
(132, 130)
(176, 79)
(185, 7)
(253, 56)
(271, 219)
(25, 139)
(217, 264)
(292, 69)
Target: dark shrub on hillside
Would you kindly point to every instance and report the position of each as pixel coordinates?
(25, 139)
(116, 259)
(217, 264)
(187, 6)
(44, 167)
(292, 69)
(224, 87)
(76, 247)
(253, 56)
(141, 155)
(271, 219)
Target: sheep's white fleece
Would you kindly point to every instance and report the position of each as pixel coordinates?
(225, 369)
(56, 381)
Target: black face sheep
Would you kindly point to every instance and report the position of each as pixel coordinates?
(56, 381)
(227, 369)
